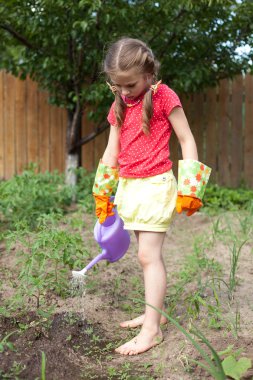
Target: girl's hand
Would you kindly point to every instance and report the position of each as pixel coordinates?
(188, 204)
(103, 207)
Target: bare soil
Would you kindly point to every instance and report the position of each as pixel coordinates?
(80, 337)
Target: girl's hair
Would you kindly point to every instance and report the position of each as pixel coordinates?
(124, 55)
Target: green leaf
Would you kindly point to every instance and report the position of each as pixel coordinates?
(235, 369)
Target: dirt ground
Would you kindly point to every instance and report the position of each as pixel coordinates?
(79, 340)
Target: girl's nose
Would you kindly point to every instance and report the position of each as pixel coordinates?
(125, 91)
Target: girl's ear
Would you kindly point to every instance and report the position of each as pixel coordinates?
(149, 79)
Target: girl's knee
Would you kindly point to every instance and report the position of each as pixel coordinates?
(146, 257)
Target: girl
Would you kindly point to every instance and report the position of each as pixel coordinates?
(141, 118)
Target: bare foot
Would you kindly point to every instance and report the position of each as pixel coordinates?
(145, 340)
(138, 321)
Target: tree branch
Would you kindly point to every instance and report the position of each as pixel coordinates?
(178, 16)
(17, 36)
(91, 136)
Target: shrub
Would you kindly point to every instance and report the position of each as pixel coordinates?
(221, 198)
(25, 197)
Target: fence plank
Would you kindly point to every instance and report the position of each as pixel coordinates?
(211, 132)
(64, 138)
(248, 145)
(44, 131)
(55, 139)
(32, 122)
(9, 126)
(2, 141)
(224, 143)
(20, 121)
(236, 132)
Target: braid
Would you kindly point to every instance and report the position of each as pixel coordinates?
(119, 109)
(147, 111)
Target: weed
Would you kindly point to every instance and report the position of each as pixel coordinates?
(125, 373)
(43, 366)
(235, 369)
(234, 258)
(5, 344)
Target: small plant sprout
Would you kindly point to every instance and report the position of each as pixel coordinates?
(234, 261)
(5, 344)
(43, 366)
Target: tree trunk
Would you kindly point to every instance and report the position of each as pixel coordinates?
(71, 164)
(73, 155)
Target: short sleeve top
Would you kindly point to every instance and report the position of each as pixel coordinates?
(146, 155)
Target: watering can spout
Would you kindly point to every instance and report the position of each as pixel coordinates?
(96, 259)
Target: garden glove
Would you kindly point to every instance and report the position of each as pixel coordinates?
(188, 204)
(105, 185)
(192, 180)
(103, 207)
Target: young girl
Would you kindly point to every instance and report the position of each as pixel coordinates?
(136, 163)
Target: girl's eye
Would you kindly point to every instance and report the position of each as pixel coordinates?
(131, 85)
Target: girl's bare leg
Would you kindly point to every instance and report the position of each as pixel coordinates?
(138, 321)
(150, 257)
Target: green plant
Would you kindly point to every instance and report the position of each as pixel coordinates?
(43, 366)
(233, 321)
(234, 258)
(235, 369)
(45, 259)
(84, 186)
(5, 344)
(25, 197)
(246, 221)
(234, 366)
(218, 198)
(198, 270)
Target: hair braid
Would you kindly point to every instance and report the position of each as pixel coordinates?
(147, 111)
(119, 109)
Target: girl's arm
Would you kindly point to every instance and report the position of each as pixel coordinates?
(181, 127)
(110, 156)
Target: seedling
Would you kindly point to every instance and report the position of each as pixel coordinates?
(5, 344)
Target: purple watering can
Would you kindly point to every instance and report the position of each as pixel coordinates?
(113, 240)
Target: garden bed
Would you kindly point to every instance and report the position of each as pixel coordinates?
(72, 335)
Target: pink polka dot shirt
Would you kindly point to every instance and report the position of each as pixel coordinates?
(146, 155)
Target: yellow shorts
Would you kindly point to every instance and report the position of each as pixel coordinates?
(147, 204)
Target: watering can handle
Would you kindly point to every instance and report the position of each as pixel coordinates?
(96, 259)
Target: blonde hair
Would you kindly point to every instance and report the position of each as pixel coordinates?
(124, 55)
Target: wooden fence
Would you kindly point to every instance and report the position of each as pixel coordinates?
(221, 120)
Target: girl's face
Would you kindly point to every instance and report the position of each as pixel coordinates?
(131, 83)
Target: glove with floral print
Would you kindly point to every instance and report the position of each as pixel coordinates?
(105, 185)
(192, 180)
